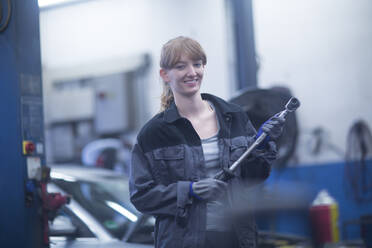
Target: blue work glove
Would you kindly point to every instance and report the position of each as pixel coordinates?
(207, 189)
(273, 127)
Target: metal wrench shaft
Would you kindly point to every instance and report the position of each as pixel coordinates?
(225, 175)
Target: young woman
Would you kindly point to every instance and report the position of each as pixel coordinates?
(179, 151)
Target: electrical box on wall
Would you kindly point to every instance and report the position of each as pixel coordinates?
(71, 105)
(111, 104)
(90, 101)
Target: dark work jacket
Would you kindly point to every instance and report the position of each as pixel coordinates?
(168, 155)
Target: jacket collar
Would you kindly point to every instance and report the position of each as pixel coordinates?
(171, 114)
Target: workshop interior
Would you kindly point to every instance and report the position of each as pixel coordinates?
(79, 78)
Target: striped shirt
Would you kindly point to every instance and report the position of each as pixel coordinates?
(215, 209)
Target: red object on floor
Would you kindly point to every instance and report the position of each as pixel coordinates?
(321, 223)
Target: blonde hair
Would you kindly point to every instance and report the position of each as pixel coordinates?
(171, 53)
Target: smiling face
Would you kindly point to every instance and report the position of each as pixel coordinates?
(182, 62)
(185, 77)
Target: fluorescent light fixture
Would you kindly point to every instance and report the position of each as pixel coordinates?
(122, 211)
(50, 3)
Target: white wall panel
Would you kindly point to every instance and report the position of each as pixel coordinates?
(322, 50)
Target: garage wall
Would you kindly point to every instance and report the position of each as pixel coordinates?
(107, 30)
(321, 50)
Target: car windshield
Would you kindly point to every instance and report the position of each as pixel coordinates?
(107, 199)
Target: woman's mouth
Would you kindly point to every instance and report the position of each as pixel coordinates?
(193, 81)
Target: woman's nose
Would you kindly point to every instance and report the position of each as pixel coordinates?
(191, 71)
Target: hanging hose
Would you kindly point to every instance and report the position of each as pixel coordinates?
(5, 24)
(358, 177)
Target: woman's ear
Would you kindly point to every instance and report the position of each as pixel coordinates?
(164, 75)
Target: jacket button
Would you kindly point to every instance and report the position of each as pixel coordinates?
(228, 118)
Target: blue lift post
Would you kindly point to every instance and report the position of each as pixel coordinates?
(21, 132)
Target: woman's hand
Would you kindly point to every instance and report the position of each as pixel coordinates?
(273, 127)
(208, 189)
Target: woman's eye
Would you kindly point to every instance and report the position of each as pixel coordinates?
(179, 67)
(197, 65)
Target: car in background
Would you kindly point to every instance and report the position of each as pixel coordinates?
(99, 214)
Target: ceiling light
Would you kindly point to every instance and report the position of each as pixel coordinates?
(50, 3)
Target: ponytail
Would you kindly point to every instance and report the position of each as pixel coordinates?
(166, 97)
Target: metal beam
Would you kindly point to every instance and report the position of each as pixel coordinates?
(245, 52)
(21, 119)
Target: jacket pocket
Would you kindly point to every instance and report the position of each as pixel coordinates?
(171, 163)
(238, 146)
